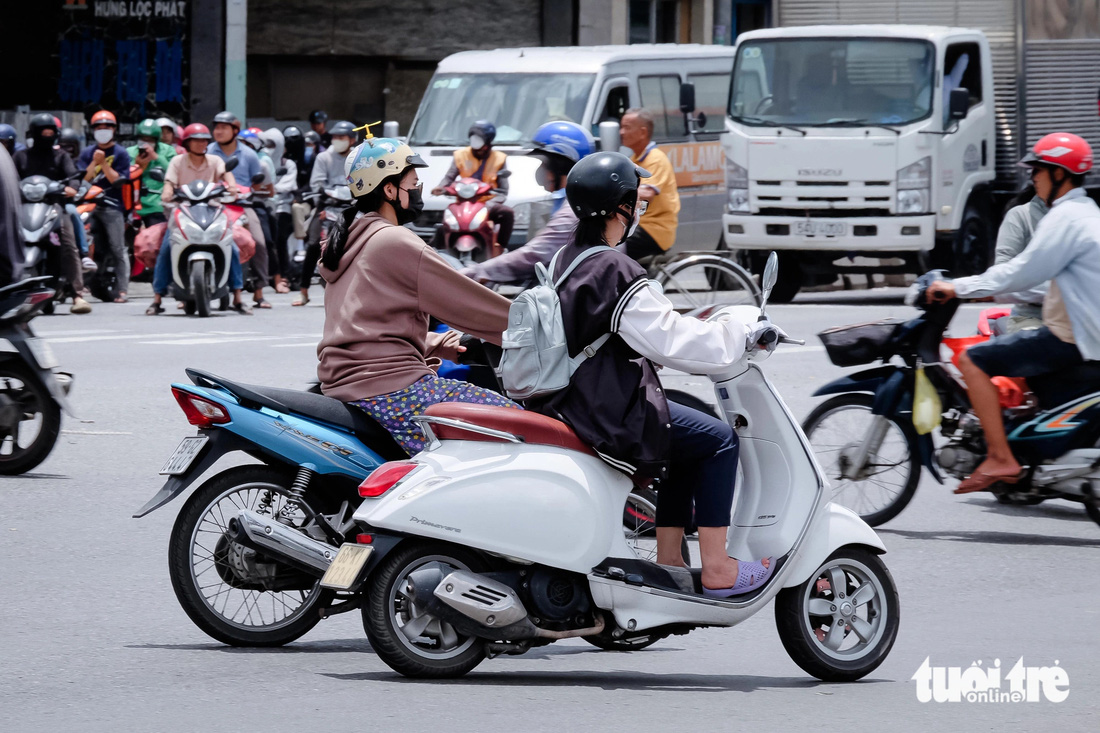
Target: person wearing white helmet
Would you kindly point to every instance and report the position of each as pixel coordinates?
(383, 284)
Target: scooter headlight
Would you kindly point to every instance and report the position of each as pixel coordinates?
(466, 190)
(192, 232)
(479, 218)
(450, 220)
(34, 192)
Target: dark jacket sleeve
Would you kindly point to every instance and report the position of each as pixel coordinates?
(11, 241)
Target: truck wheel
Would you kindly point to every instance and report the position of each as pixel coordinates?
(973, 250)
(789, 281)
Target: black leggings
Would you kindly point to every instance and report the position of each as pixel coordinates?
(704, 468)
(313, 252)
(280, 258)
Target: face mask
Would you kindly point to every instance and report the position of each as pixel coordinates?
(477, 142)
(103, 136)
(340, 146)
(416, 206)
(309, 153)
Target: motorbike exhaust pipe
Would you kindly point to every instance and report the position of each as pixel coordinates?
(274, 539)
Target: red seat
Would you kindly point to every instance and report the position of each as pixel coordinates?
(530, 426)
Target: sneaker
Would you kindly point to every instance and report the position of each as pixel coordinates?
(80, 306)
(89, 264)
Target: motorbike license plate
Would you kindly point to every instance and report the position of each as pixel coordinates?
(812, 228)
(345, 569)
(184, 456)
(43, 354)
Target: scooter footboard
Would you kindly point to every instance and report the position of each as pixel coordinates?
(831, 530)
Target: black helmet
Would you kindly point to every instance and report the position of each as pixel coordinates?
(318, 115)
(290, 132)
(39, 124)
(70, 138)
(342, 127)
(602, 182)
(228, 118)
(485, 129)
(293, 141)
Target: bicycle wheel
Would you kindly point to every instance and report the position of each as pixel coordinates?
(698, 282)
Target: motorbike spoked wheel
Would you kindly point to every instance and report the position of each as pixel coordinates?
(30, 420)
(840, 624)
(836, 430)
(211, 575)
(405, 636)
(200, 288)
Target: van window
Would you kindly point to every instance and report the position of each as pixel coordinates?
(712, 93)
(618, 102)
(661, 96)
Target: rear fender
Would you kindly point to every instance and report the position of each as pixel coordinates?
(868, 380)
(220, 443)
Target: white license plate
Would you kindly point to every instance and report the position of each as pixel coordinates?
(43, 354)
(184, 456)
(812, 228)
(345, 569)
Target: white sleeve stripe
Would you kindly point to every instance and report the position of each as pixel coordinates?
(617, 314)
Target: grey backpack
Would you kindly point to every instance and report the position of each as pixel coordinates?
(536, 359)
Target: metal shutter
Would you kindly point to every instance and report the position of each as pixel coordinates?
(1062, 78)
(997, 18)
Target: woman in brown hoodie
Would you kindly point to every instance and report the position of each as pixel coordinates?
(383, 284)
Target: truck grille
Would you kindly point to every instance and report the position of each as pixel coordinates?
(821, 213)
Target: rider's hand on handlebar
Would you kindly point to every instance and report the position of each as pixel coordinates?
(70, 192)
(449, 346)
(764, 335)
(940, 292)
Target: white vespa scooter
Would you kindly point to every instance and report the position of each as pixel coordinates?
(506, 533)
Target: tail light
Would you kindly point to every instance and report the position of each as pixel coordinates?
(385, 477)
(200, 411)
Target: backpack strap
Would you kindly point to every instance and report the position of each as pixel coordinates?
(584, 255)
(589, 351)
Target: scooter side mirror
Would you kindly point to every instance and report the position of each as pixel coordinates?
(156, 175)
(609, 136)
(257, 179)
(767, 281)
(231, 164)
(280, 171)
(504, 174)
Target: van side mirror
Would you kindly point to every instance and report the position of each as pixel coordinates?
(609, 136)
(958, 105)
(687, 98)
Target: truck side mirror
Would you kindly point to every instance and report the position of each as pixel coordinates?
(609, 136)
(958, 105)
(687, 98)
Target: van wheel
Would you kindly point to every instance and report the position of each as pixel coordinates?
(973, 250)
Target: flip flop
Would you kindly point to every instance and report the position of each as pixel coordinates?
(154, 309)
(300, 302)
(282, 287)
(122, 299)
(261, 303)
(750, 577)
(242, 308)
(982, 481)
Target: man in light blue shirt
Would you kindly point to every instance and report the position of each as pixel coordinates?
(1064, 250)
(226, 129)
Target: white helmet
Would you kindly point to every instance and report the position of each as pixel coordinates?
(376, 159)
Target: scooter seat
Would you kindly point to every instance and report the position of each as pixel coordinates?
(1058, 387)
(310, 405)
(529, 426)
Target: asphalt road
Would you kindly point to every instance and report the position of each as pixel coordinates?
(92, 638)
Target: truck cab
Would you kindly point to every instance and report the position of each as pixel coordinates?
(519, 89)
(867, 141)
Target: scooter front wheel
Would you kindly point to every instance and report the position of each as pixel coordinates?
(840, 624)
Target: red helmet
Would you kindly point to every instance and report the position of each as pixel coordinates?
(103, 117)
(196, 130)
(1062, 149)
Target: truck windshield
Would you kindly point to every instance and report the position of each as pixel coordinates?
(832, 81)
(516, 103)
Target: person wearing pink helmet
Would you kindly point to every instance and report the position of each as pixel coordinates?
(1065, 249)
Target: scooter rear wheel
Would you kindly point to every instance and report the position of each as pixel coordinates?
(25, 402)
(408, 638)
(840, 624)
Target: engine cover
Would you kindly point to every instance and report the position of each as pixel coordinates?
(558, 596)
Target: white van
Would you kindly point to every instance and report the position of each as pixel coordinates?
(519, 89)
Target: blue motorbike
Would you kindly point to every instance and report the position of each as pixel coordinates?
(866, 442)
(309, 453)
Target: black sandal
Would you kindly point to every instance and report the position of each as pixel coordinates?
(154, 310)
(242, 308)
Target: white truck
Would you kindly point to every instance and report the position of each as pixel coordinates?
(895, 142)
(518, 89)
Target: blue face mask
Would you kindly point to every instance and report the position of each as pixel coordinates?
(309, 153)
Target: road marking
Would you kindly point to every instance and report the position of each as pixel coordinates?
(93, 432)
(312, 344)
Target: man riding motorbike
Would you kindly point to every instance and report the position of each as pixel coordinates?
(480, 161)
(110, 159)
(151, 154)
(376, 352)
(317, 120)
(1064, 250)
(558, 146)
(614, 400)
(328, 171)
(169, 134)
(43, 159)
(197, 164)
